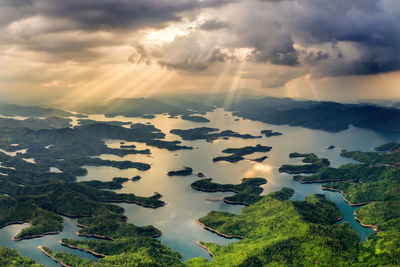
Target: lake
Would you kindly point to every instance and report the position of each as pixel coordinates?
(177, 220)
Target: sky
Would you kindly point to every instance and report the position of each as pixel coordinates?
(65, 51)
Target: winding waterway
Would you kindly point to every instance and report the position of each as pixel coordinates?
(177, 220)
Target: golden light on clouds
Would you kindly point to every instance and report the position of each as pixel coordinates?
(72, 52)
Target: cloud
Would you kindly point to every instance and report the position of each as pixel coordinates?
(214, 24)
(321, 38)
(95, 14)
(59, 27)
(191, 52)
(325, 38)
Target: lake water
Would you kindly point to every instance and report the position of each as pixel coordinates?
(177, 220)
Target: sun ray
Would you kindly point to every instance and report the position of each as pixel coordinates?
(234, 85)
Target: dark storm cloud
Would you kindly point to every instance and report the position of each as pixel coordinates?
(66, 29)
(323, 37)
(94, 14)
(371, 26)
(327, 38)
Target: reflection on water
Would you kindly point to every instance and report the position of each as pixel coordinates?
(177, 220)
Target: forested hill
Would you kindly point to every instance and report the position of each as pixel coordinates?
(137, 107)
(12, 110)
(327, 116)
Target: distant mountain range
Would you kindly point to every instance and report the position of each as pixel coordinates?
(321, 115)
(327, 116)
(137, 107)
(12, 110)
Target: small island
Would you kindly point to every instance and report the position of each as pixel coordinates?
(136, 178)
(231, 158)
(85, 122)
(209, 134)
(194, 118)
(148, 116)
(270, 133)
(247, 192)
(184, 172)
(238, 153)
(260, 159)
(127, 146)
(331, 147)
(314, 164)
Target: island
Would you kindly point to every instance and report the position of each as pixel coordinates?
(331, 147)
(127, 146)
(231, 158)
(270, 133)
(247, 192)
(194, 118)
(136, 178)
(116, 183)
(85, 122)
(148, 116)
(184, 172)
(238, 153)
(209, 134)
(260, 159)
(314, 164)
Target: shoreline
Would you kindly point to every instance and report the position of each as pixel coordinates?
(102, 236)
(323, 181)
(338, 219)
(92, 235)
(217, 232)
(133, 202)
(214, 190)
(235, 202)
(52, 257)
(214, 199)
(205, 247)
(36, 236)
(95, 236)
(31, 236)
(372, 226)
(223, 191)
(344, 194)
(98, 255)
